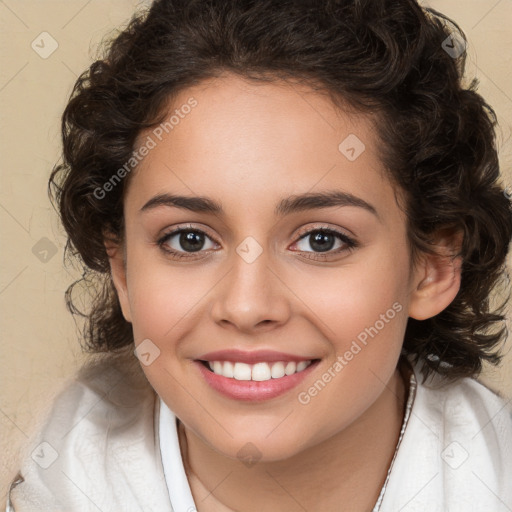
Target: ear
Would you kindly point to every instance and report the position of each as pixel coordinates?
(118, 272)
(437, 277)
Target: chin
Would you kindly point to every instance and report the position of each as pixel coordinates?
(251, 450)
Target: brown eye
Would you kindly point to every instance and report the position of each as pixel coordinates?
(181, 241)
(323, 240)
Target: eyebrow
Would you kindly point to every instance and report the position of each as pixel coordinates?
(292, 204)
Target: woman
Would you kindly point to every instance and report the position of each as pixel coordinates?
(294, 213)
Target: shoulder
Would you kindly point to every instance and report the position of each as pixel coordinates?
(466, 409)
(108, 392)
(96, 445)
(456, 451)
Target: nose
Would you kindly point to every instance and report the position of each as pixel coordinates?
(252, 297)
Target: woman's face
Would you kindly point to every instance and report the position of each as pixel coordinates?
(277, 278)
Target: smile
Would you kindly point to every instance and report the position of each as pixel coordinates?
(258, 372)
(255, 381)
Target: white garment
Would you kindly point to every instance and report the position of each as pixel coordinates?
(108, 430)
(456, 452)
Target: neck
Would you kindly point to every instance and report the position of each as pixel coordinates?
(348, 468)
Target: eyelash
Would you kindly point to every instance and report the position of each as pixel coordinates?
(349, 242)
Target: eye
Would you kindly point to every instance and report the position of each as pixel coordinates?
(322, 240)
(184, 240)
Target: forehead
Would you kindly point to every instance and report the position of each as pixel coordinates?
(249, 143)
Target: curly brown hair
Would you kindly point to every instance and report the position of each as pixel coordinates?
(389, 58)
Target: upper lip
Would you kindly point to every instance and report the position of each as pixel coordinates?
(255, 356)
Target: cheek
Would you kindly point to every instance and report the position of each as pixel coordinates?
(162, 295)
(363, 312)
(359, 295)
(163, 301)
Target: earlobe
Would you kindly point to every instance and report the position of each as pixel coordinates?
(118, 272)
(437, 280)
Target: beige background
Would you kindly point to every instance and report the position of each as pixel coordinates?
(39, 346)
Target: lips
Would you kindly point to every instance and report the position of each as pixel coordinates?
(254, 376)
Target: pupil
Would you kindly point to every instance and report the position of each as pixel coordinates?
(191, 241)
(323, 241)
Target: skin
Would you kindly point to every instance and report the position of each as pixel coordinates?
(248, 145)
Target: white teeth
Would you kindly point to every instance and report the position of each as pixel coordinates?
(277, 370)
(301, 366)
(228, 369)
(258, 371)
(261, 371)
(241, 371)
(290, 368)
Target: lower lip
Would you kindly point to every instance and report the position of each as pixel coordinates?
(250, 390)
